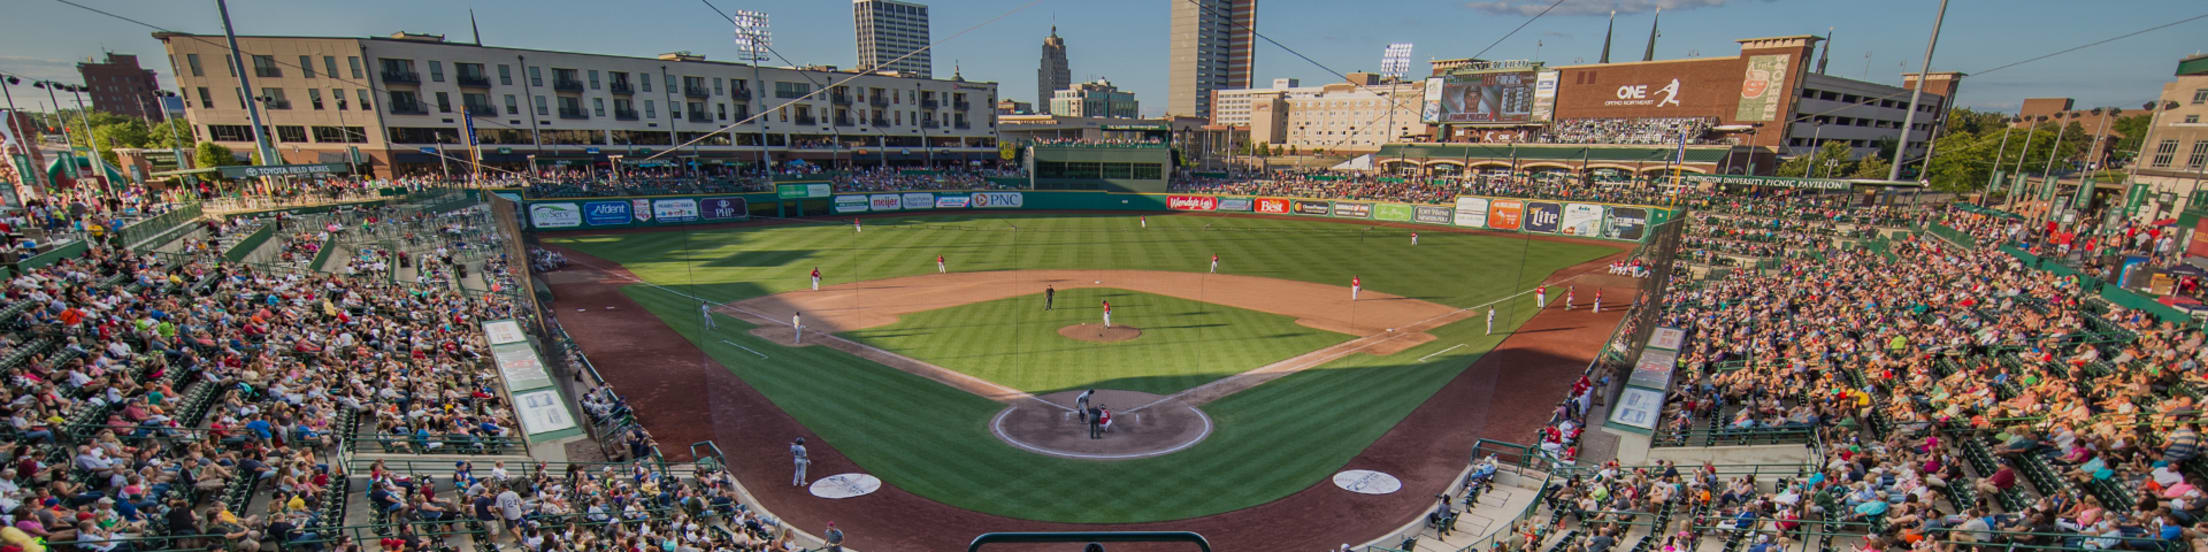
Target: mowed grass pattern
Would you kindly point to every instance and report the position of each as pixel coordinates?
(738, 263)
(1016, 343)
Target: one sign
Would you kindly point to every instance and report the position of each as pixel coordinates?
(1191, 203)
(606, 213)
(557, 215)
(1241, 204)
(851, 204)
(919, 201)
(1505, 214)
(724, 208)
(951, 201)
(257, 171)
(994, 200)
(803, 191)
(1581, 219)
(675, 210)
(1472, 212)
(1271, 205)
(1392, 212)
(1352, 210)
(1313, 208)
(1433, 215)
(885, 202)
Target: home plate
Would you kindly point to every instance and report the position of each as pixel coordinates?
(1359, 481)
(847, 485)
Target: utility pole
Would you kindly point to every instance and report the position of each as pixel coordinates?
(245, 86)
(1916, 94)
(1995, 174)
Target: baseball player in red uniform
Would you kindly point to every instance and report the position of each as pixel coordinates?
(1146, 221)
(939, 266)
(856, 227)
(1414, 239)
(816, 278)
(1355, 284)
(1215, 262)
(1107, 313)
(1541, 296)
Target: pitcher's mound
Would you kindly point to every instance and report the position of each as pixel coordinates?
(1098, 333)
(1143, 425)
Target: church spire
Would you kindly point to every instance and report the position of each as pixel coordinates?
(1606, 33)
(1650, 53)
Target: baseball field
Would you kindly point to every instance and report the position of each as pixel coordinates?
(906, 373)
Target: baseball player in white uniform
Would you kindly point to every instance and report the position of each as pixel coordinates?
(940, 267)
(705, 311)
(816, 278)
(1570, 296)
(797, 327)
(1541, 296)
(798, 457)
(1107, 313)
(1414, 239)
(1355, 285)
(1491, 321)
(1215, 262)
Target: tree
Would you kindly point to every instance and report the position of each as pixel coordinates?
(1873, 167)
(212, 155)
(2133, 129)
(1831, 151)
(1970, 121)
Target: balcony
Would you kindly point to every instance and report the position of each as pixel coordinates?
(741, 94)
(839, 99)
(696, 92)
(962, 125)
(846, 121)
(409, 108)
(807, 120)
(576, 113)
(567, 85)
(701, 117)
(622, 87)
(480, 109)
(878, 101)
(624, 115)
(926, 103)
(402, 77)
(880, 122)
(961, 105)
(474, 81)
(930, 123)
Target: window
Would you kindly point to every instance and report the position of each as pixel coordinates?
(2199, 157)
(329, 66)
(338, 94)
(265, 66)
(646, 80)
(436, 71)
(2164, 152)
(314, 96)
(648, 113)
(291, 133)
(597, 105)
(331, 134)
(542, 108)
(2189, 119)
(721, 109)
(717, 86)
(306, 66)
(536, 76)
(354, 61)
(230, 133)
(444, 103)
(791, 89)
(512, 107)
(594, 81)
(276, 98)
(364, 105)
(505, 75)
(206, 100)
(670, 84)
(2200, 96)
(193, 60)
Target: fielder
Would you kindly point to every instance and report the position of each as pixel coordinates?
(856, 227)
(1107, 313)
(797, 327)
(816, 278)
(1541, 296)
(939, 267)
(1570, 293)
(798, 457)
(1215, 263)
(1355, 284)
(1598, 301)
(1414, 239)
(1146, 222)
(705, 311)
(1491, 321)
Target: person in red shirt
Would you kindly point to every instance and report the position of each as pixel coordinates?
(1355, 284)
(816, 278)
(1107, 313)
(939, 266)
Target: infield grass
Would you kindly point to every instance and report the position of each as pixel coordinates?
(1015, 342)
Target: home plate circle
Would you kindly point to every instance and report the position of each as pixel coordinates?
(847, 485)
(1359, 481)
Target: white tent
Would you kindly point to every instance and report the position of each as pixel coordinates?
(1358, 163)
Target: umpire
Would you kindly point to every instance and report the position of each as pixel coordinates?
(1050, 295)
(1096, 422)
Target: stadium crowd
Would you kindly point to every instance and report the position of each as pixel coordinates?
(1643, 130)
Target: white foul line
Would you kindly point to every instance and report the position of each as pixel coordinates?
(761, 355)
(1438, 353)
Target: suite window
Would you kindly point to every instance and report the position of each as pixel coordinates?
(291, 133)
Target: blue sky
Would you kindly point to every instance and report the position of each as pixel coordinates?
(1125, 40)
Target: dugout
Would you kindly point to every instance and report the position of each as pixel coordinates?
(1140, 167)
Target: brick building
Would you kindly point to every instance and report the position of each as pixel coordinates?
(121, 87)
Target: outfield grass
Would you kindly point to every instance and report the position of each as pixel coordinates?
(1015, 342)
(932, 440)
(738, 263)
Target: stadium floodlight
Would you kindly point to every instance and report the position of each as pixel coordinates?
(752, 34)
(1396, 60)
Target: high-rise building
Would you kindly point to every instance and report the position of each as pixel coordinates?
(121, 87)
(888, 29)
(1053, 75)
(1095, 99)
(1210, 49)
(2173, 160)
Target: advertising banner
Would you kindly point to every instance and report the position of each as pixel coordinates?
(725, 208)
(1313, 208)
(1241, 204)
(1544, 94)
(1582, 219)
(1542, 216)
(1006, 200)
(642, 208)
(851, 204)
(802, 191)
(1191, 203)
(951, 201)
(1472, 211)
(1760, 88)
(1433, 215)
(606, 213)
(1503, 214)
(1352, 210)
(1392, 211)
(1627, 223)
(557, 215)
(885, 202)
(1272, 205)
(675, 210)
(919, 201)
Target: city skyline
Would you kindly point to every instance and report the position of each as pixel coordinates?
(1129, 46)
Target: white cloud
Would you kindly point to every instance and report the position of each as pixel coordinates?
(1588, 7)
